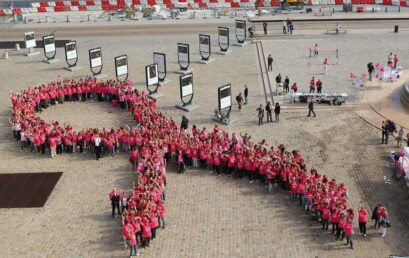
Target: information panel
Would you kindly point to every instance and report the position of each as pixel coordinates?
(30, 40)
(121, 65)
(160, 60)
(241, 30)
(186, 85)
(225, 96)
(204, 43)
(49, 43)
(224, 36)
(95, 57)
(183, 53)
(71, 50)
(152, 76)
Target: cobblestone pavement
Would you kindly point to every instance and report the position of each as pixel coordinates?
(207, 216)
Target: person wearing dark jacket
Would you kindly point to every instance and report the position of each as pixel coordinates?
(269, 111)
(286, 84)
(277, 110)
(185, 123)
(311, 108)
(371, 69)
(246, 94)
(270, 63)
(260, 114)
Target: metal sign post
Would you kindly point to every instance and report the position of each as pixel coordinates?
(121, 67)
(184, 58)
(71, 56)
(186, 93)
(224, 40)
(152, 80)
(222, 114)
(49, 49)
(160, 60)
(95, 62)
(30, 42)
(241, 33)
(204, 49)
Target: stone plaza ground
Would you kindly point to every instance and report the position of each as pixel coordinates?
(209, 216)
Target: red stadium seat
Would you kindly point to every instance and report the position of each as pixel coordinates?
(90, 2)
(17, 11)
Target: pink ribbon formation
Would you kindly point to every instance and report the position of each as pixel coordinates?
(158, 138)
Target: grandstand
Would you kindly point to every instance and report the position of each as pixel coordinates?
(43, 6)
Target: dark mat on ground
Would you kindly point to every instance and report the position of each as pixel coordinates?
(40, 44)
(26, 190)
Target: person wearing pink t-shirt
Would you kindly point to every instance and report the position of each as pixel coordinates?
(325, 217)
(349, 232)
(53, 146)
(341, 226)
(146, 230)
(362, 219)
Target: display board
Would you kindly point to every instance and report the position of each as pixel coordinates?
(241, 30)
(183, 55)
(160, 60)
(223, 38)
(224, 97)
(204, 46)
(29, 39)
(186, 85)
(152, 76)
(49, 43)
(121, 65)
(71, 50)
(95, 57)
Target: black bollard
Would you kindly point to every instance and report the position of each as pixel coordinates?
(396, 28)
(386, 9)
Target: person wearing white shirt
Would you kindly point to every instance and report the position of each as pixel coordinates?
(97, 144)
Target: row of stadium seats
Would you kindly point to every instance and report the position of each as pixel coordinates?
(112, 5)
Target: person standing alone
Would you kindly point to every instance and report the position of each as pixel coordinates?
(265, 28)
(270, 63)
(114, 197)
(371, 69)
(311, 108)
(246, 94)
(239, 100)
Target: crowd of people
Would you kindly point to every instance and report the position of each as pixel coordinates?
(157, 140)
